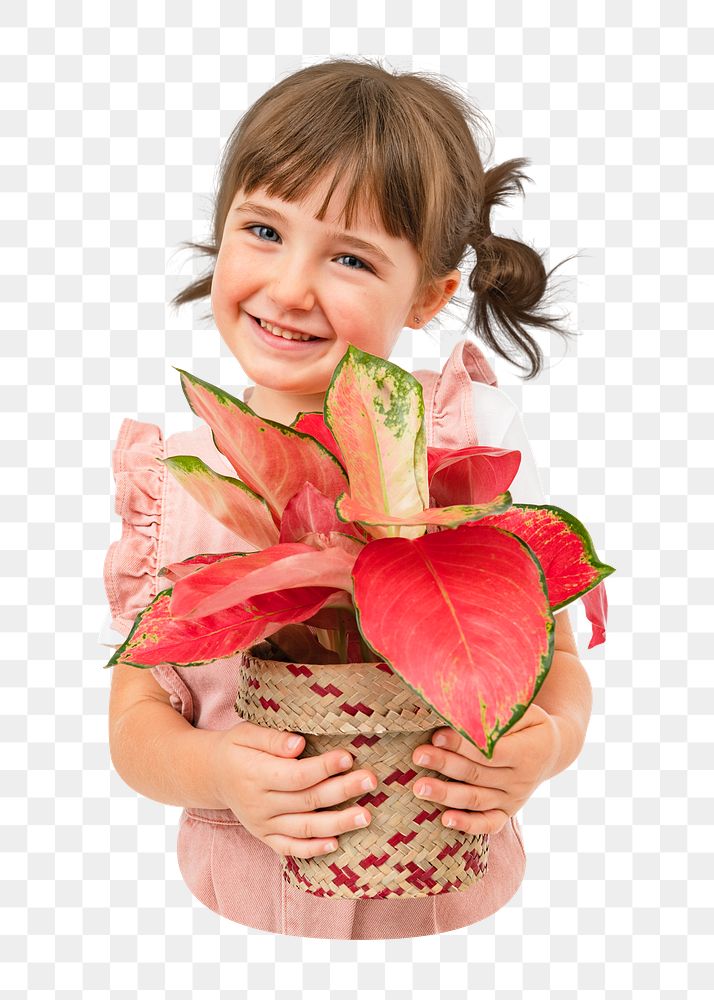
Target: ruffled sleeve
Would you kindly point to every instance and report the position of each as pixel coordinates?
(132, 563)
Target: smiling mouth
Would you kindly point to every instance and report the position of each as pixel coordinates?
(284, 335)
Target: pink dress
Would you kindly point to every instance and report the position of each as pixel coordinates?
(222, 863)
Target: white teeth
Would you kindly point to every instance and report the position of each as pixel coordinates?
(285, 334)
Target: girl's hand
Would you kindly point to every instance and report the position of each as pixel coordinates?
(283, 801)
(486, 793)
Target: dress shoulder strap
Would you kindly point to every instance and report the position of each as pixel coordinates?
(448, 396)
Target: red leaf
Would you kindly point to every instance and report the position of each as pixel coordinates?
(211, 580)
(156, 637)
(314, 425)
(470, 475)
(178, 570)
(463, 617)
(595, 604)
(562, 545)
(310, 511)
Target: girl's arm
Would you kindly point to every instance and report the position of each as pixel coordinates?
(566, 694)
(154, 749)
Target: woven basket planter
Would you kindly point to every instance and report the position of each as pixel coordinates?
(368, 710)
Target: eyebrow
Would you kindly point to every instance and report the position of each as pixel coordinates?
(338, 237)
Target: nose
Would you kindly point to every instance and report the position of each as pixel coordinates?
(292, 285)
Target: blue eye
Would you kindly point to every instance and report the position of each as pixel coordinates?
(270, 229)
(360, 262)
(258, 226)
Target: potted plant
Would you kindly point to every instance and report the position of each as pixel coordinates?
(400, 571)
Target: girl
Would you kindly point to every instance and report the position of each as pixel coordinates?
(348, 195)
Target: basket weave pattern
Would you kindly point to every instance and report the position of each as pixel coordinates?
(368, 710)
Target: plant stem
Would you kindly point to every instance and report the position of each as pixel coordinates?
(367, 654)
(341, 637)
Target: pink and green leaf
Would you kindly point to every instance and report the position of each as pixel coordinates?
(208, 580)
(178, 570)
(157, 637)
(562, 546)
(273, 460)
(468, 626)
(234, 581)
(229, 500)
(445, 517)
(375, 411)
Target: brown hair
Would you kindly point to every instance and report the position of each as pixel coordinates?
(404, 145)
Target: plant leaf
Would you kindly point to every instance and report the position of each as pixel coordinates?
(208, 580)
(313, 423)
(234, 581)
(562, 545)
(229, 500)
(309, 511)
(470, 475)
(475, 598)
(156, 637)
(178, 570)
(271, 459)
(595, 604)
(448, 517)
(375, 411)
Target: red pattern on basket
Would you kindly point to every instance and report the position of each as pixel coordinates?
(322, 691)
(370, 799)
(400, 777)
(359, 709)
(426, 817)
(364, 739)
(298, 668)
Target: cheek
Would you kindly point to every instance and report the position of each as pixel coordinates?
(372, 331)
(360, 317)
(225, 267)
(228, 286)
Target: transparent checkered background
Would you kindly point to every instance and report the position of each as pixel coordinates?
(113, 119)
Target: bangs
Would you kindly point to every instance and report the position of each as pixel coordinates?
(354, 135)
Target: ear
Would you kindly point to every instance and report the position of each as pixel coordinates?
(433, 299)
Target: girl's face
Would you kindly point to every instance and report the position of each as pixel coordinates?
(277, 262)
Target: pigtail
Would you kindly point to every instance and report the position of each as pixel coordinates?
(509, 280)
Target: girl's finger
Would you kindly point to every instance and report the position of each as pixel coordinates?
(490, 821)
(295, 848)
(458, 795)
(449, 739)
(460, 768)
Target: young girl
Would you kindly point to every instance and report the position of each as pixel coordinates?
(348, 195)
